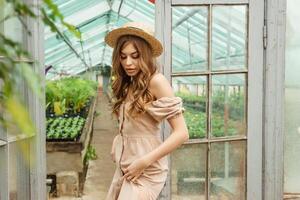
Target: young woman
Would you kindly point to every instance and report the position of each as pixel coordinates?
(143, 99)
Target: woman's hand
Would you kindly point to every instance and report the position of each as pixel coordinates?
(135, 169)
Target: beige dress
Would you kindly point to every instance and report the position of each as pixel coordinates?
(136, 138)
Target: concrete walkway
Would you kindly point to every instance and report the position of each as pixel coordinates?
(101, 170)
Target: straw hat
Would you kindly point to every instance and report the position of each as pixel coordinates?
(136, 29)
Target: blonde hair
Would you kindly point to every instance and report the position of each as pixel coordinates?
(140, 82)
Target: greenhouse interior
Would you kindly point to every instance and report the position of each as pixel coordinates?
(233, 63)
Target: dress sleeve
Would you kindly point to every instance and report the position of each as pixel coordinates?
(165, 108)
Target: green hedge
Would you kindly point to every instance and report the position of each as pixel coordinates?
(235, 102)
(195, 114)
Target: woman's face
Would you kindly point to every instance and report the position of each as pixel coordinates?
(129, 57)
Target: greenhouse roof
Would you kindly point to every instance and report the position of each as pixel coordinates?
(94, 18)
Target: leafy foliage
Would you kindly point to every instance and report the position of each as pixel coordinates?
(196, 123)
(90, 154)
(66, 98)
(16, 63)
(54, 15)
(196, 116)
(64, 128)
(69, 95)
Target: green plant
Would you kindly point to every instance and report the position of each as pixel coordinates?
(90, 154)
(195, 113)
(14, 63)
(235, 103)
(69, 94)
(191, 98)
(64, 128)
(196, 123)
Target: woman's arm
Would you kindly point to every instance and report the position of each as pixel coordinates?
(160, 87)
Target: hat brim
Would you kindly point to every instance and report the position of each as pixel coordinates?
(113, 36)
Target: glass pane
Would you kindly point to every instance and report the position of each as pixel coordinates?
(11, 27)
(19, 170)
(227, 165)
(193, 90)
(20, 88)
(189, 39)
(228, 105)
(229, 36)
(188, 175)
(292, 103)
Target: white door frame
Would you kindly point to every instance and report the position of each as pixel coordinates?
(37, 107)
(35, 186)
(273, 140)
(255, 83)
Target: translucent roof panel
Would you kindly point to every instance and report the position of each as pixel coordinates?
(93, 18)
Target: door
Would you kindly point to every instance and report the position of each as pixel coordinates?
(214, 60)
(22, 155)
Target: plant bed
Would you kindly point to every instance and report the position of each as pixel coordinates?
(64, 128)
(67, 154)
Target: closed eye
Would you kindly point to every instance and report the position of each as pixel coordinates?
(135, 55)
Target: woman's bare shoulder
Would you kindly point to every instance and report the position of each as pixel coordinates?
(157, 79)
(159, 86)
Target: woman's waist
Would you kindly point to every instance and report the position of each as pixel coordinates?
(158, 165)
(135, 131)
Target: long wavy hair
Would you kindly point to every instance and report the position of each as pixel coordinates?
(139, 83)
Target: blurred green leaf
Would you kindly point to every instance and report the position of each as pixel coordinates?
(54, 11)
(32, 78)
(13, 70)
(53, 15)
(72, 29)
(20, 115)
(22, 9)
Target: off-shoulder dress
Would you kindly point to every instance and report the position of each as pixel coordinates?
(137, 137)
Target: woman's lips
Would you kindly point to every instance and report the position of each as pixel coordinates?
(130, 70)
